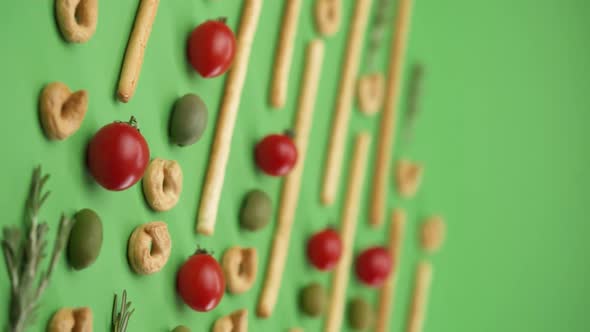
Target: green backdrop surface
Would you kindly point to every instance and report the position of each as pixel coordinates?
(503, 132)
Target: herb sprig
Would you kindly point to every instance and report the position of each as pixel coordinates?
(121, 318)
(381, 19)
(23, 256)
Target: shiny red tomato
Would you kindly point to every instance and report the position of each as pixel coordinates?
(200, 282)
(276, 155)
(324, 249)
(211, 48)
(118, 155)
(373, 266)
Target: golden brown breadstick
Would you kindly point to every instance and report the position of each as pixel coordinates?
(347, 232)
(291, 186)
(146, 14)
(386, 132)
(350, 68)
(420, 297)
(328, 14)
(387, 294)
(280, 80)
(227, 119)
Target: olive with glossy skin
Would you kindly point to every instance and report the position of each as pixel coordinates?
(256, 210)
(188, 120)
(181, 328)
(313, 299)
(85, 239)
(360, 314)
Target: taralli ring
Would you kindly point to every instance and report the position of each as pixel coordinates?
(240, 266)
(62, 111)
(77, 19)
(432, 234)
(408, 176)
(71, 320)
(235, 322)
(149, 247)
(327, 16)
(371, 93)
(162, 184)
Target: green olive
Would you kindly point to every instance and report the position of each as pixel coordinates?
(188, 120)
(360, 314)
(181, 328)
(256, 210)
(313, 299)
(85, 239)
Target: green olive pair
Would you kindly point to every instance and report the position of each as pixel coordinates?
(188, 120)
(313, 301)
(85, 239)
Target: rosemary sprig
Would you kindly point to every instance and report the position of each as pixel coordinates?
(121, 319)
(381, 19)
(23, 256)
(413, 103)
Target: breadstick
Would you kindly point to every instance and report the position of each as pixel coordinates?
(280, 80)
(347, 232)
(387, 294)
(350, 68)
(328, 14)
(227, 119)
(146, 14)
(291, 186)
(386, 133)
(420, 297)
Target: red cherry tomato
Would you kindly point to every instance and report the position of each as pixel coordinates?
(211, 48)
(118, 155)
(324, 249)
(373, 266)
(200, 282)
(276, 155)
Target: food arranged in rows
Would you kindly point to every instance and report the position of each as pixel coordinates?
(118, 156)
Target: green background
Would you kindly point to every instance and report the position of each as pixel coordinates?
(503, 133)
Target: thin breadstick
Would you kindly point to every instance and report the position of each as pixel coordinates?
(387, 294)
(420, 297)
(386, 133)
(292, 184)
(350, 68)
(328, 15)
(280, 80)
(347, 232)
(146, 14)
(228, 114)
